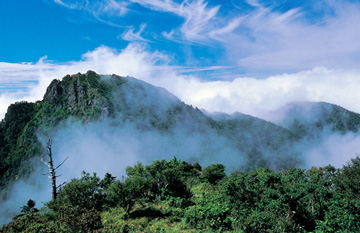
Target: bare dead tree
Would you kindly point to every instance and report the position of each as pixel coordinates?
(52, 170)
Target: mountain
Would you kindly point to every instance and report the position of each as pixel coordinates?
(311, 120)
(93, 98)
(265, 143)
(79, 96)
(156, 117)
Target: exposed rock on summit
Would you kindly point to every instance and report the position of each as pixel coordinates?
(80, 94)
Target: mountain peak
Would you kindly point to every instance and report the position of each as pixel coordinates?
(82, 95)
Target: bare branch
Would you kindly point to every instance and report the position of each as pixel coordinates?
(42, 160)
(49, 143)
(61, 163)
(48, 146)
(61, 184)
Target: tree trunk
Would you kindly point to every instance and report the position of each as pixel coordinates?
(52, 170)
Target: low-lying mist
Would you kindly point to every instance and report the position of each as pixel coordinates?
(102, 147)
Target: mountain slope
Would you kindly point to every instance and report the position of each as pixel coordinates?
(307, 119)
(265, 143)
(79, 96)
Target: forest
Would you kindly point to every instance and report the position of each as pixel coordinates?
(176, 196)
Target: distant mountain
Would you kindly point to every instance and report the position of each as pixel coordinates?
(241, 142)
(308, 119)
(265, 143)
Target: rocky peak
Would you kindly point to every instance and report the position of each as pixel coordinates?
(79, 94)
(53, 91)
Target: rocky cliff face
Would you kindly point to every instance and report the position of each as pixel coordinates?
(80, 95)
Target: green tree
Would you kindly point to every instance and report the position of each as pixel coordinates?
(29, 207)
(83, 192)
(210, 209)
(138, 182)
(168, 179)
(213, 173)
(107, 181)
(350, 177)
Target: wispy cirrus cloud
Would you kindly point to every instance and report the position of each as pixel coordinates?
(196, 14)
(285, 41)
(18, 78)
(159, 5)
(75, 5)
(197, 19)
(97, 8)
(256, 36)
(130, 35)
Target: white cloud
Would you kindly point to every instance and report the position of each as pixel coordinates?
(254, 3)
(260, 97)
(130, 35)
(197, 17)
(159, 5)
(261, 40)
(220, 34)
(196, 14)
(269, 40)
(257, 97)
(73, 5)
(97, 8)
(335, 150)
(115, 7)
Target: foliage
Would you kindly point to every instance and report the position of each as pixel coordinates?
(172, 196)
(29, 208)
(213, 173)
(349, 180)
(15, 135)
(85, 193)
(211, 208)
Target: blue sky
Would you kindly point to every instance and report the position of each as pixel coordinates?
(248, 37)
(199, 42)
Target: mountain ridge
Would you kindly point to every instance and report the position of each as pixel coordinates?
(311, 119)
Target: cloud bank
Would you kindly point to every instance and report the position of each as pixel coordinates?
(257, 97)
